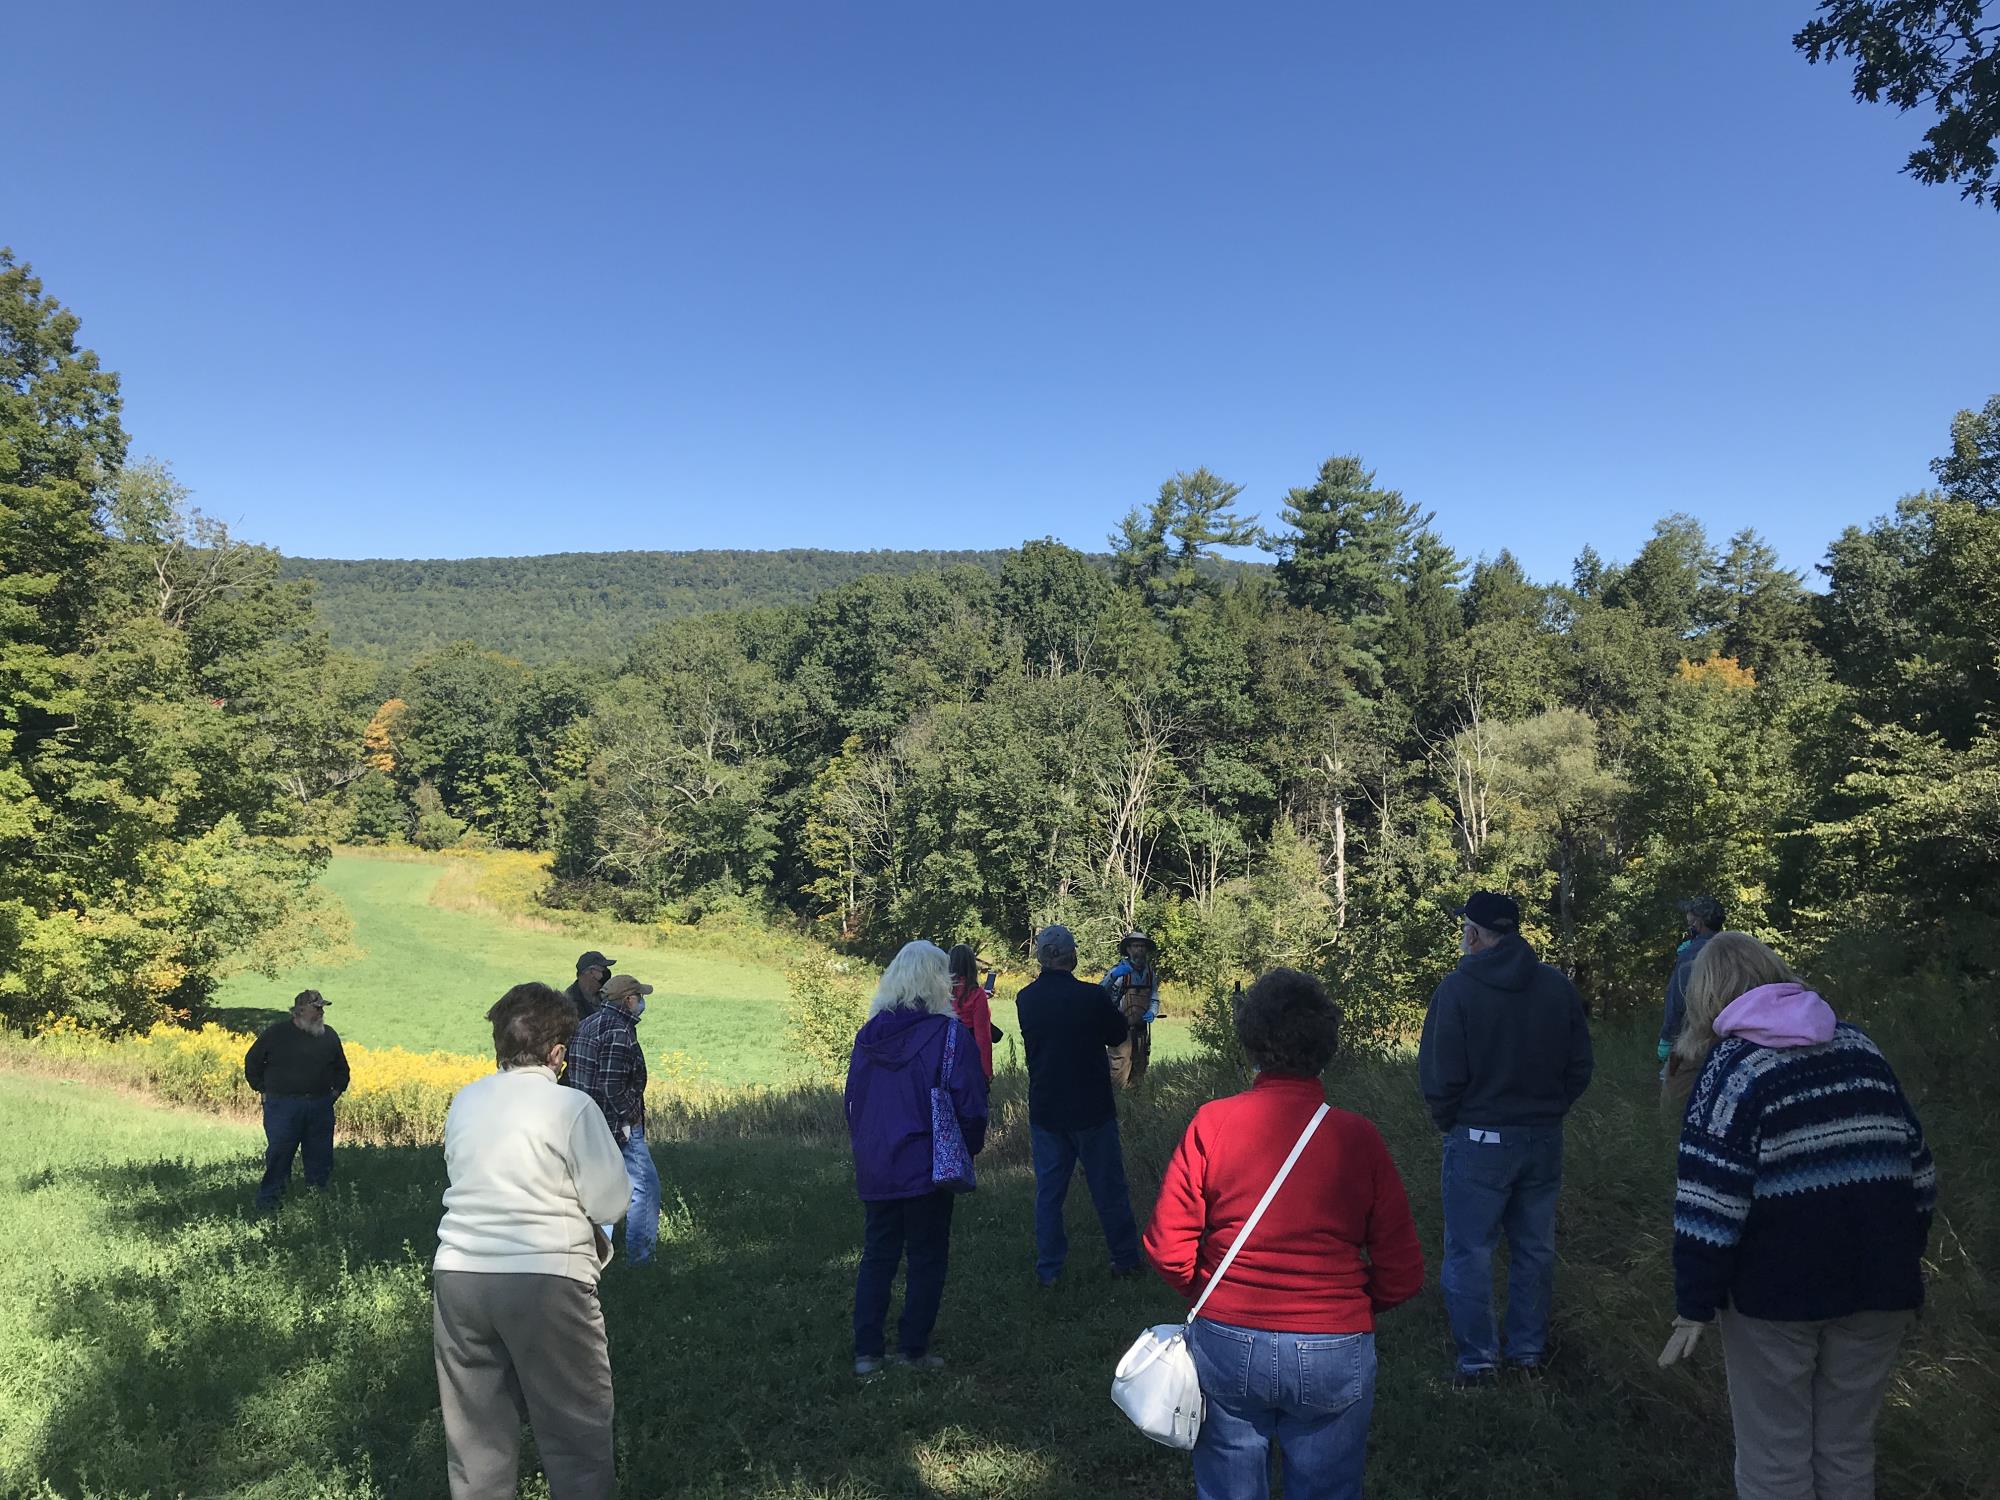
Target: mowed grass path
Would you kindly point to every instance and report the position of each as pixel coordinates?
(427, 975)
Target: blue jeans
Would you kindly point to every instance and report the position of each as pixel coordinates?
(1508, 1185)
(1056, 1154)
(1313, 1392)
(294, 1123)
(922, 1226)
(642, 1214)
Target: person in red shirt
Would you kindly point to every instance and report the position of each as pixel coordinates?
(1285, 1347)
(972, 1003)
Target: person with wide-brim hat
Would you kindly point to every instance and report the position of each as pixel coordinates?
(1134, 987)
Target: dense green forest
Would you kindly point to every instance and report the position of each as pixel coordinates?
(1305, 763)
(576, 606)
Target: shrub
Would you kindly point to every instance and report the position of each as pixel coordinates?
(825, 1005)
(396, 1097)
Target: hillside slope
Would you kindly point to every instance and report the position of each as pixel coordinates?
(574, 605)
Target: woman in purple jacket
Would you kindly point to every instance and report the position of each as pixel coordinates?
(899, 1056)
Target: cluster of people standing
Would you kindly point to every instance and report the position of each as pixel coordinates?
(1802, 1207)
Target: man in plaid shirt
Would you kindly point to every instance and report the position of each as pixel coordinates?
(606, 1063)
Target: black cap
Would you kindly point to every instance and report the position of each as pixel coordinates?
(594, 960)
(1705, 910)
(1494, 912)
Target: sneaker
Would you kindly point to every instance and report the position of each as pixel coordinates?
(921, 1361)
(1481, 1379)
(1121, 1273)
(867, 1364)
(1528, 1369)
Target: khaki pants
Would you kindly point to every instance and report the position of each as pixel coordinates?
(514, 1348)
(1804, 1397)
(1130, 1057)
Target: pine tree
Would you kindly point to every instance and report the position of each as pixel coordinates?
(1352, 545)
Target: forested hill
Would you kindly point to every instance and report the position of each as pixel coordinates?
(574, 605)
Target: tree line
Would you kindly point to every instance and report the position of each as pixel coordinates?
(1305, 763)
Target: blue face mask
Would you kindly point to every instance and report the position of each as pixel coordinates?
(639, 1009)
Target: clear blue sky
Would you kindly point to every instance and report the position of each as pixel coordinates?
(470, 279)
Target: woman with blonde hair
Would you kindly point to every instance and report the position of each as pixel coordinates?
(913, 1043)
(1804, 1200)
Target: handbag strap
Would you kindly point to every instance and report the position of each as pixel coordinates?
(1262, 1203)
(950, 1047)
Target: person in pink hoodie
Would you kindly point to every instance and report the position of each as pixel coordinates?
(1803, 1204)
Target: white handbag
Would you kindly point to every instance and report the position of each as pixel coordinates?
(1155, 1383)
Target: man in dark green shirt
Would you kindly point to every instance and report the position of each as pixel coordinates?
(300, 1068)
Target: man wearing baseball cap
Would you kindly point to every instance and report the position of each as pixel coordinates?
(592, 970)
(300, 1068)
(606, 1063)
(1704, 920)
(1506, 1052)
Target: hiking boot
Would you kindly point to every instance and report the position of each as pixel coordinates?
(1123, 1273)
(921, 1361)
(1481, 1379)
(867, 1364)
(1528, 1369)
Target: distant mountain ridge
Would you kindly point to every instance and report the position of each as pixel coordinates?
(576, 605)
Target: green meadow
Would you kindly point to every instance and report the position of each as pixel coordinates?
(423, 974)
(157, 1339)
(428, 956)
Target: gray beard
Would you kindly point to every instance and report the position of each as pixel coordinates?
(310, 1028)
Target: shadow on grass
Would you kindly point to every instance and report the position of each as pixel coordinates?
(234, 1353)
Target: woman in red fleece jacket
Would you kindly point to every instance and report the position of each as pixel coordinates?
(1286, 1346)
(972, 1003)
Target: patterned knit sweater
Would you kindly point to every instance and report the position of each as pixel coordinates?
(1806, 1189)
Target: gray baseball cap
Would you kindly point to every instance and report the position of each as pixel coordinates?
(1054, 945)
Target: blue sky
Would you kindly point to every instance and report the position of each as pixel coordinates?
(458, 280)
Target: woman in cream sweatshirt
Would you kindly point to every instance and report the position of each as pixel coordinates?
(531, 1170)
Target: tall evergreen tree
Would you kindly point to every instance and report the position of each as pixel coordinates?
(1761, 607)
(1163, 551)
(1350, 543)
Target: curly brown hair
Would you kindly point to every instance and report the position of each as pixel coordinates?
(528, 1022)
(1288, 1024)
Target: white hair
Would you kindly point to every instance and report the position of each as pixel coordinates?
(918, 978)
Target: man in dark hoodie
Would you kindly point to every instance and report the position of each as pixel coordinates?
(1072, 1115)
(1506, 1052)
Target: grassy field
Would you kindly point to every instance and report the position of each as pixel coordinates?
(156, 1339)
(427, 973)
(432, 956)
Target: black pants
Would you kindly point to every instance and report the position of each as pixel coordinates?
(291, 1123)
(922, 1226)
